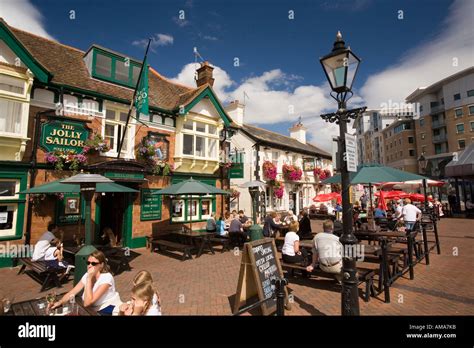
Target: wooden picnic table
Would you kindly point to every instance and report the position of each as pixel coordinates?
(117, 257)
(32, 308)
(196, 236)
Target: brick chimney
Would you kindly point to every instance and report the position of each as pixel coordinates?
(204, 74)
(236, 111)
(298, 132)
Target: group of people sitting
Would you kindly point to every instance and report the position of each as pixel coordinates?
(273, 223)
(99, 292)
(326, 250)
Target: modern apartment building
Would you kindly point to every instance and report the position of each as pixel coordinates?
(399, 143)
(446, 123)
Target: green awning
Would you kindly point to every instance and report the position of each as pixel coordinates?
(191, 187)
(58, 187)
(375, 173)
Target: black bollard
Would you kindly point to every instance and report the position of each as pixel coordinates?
(280, 284)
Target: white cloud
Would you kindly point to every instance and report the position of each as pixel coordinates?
(221, 83)
(157, 40)
(23, 15)
(268, 106)
(428, 63)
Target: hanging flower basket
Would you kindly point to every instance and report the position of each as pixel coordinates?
(96, 144)
(66, 159)
(234, 194)
(278, 189)
(269, 170)
(321, 174)
(146, 152)
(292, 173)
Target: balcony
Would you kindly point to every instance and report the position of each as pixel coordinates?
(436, 109)
(442, 138)
(438, 124)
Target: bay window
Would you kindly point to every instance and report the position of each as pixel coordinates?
(10, 116)
(200, 140)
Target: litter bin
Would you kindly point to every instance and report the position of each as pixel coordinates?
(256, 232)
(80, 262)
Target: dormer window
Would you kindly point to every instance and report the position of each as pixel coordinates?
(110, 66)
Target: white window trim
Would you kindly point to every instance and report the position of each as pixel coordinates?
(462, 113)
(459, 148)
(130, 153)
(207, 136)
(12, 230)
(457, 124)
(469, 109)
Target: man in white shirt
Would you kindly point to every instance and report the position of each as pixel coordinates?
(44, 242)
(328, 250)
(410, 214)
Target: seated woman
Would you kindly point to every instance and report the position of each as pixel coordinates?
(53, 257)
(144, 301)
(211, 223)
(98, 285)
(291, 247)
(304, 230)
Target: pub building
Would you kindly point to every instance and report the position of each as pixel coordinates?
(63, 110)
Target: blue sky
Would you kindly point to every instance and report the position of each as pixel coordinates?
(278, 56)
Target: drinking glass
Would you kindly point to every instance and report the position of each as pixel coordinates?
(51, 298)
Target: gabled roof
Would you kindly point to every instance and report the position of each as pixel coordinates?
(67, 68)
(266, 137)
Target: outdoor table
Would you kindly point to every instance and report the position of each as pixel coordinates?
(31, 308)
(204, 237)
(115, 255)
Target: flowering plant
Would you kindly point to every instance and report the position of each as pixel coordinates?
(291, 172)
(269, 170)
(96, 144)
(234, 193)
(147, 151)
(226, 165)
(70, 158)
(278, 189)
(322, 174)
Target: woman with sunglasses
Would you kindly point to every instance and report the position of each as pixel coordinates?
(98, 285)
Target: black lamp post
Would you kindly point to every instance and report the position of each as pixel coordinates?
(423, 163)
(340, 67)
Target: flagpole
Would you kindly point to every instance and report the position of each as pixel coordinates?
(132, 102)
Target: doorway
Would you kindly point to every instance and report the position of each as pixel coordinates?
(112, 214)
(292, 201)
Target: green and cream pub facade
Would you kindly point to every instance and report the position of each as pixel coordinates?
(63, 110)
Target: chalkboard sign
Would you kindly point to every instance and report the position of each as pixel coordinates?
(259, 266)
(150, 208)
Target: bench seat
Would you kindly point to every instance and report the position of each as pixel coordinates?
(162, 244)
(41, 272)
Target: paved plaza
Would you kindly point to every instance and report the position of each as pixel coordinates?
(206, 285)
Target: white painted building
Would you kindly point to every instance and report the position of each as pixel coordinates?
(259, 145)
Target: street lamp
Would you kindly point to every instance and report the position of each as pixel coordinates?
(340, 67)
(423, 163)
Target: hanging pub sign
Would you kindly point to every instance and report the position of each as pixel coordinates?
(308, 164)
(61, 135)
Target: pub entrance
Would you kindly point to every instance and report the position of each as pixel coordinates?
(112, 207)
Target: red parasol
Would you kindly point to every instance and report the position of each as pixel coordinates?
(325, 197)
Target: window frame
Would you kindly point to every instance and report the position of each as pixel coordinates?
(455, 113)
(463, 128)
(198, 217)
(114, 59)
(469, 110)
(459, 147)
(206, 136)
(18, 201)
(116, 123)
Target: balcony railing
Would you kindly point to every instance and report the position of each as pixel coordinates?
(436, 109)
(440, 138)
(438, 124)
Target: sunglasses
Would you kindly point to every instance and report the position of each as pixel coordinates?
(92, 263)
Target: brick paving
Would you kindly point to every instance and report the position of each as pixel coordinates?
(206, 285)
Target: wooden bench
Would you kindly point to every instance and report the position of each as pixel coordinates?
(319, 216)
(224, 241)
(41, 272)
(161, 243)
(364, 275)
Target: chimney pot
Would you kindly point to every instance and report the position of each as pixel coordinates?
(204, 74)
